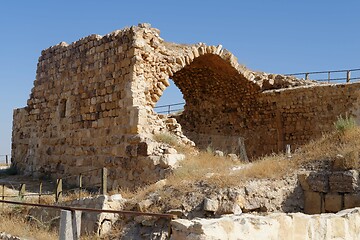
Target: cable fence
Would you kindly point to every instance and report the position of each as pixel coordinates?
(84, 183)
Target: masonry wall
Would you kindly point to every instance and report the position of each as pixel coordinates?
(81, 112)
(92, 106)
(275, 118)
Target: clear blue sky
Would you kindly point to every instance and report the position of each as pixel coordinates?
(272, 36)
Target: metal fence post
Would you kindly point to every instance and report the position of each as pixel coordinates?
(104, 181)
(22, 191)
(7, 160)
(306, 76)
(329, 77)
(348, 75)
(58, 190)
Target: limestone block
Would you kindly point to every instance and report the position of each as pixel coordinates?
(318, 182)
(228, 207)
(347, 162)
(302, 177)
(171, 160)
(211, 205)
(144, 205)
(352, 216)
(145, 148)
(170, 151)
(313, 203)
(219, 153)
(333, 202)
(337, 228)
(351, 200)
(300, 226)
(344, 181)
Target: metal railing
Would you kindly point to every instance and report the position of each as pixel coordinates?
(328, 76)
(337, 76)
(169, 108)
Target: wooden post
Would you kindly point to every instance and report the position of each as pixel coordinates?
(58, 190)
(40, 191)
(306, 76)
(22, 191)
(348, 75)
(242, 151)
(104, 181)
(80, 185)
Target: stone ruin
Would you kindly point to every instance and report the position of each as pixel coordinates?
(92, 105)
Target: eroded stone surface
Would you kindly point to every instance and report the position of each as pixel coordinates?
(343, 225)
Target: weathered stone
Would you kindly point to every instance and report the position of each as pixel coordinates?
(228, 207)
(347, 162)
(145, 220)
(351, 200)
(318, 182)
(313, 203)
(171, 160)
(144, 205)
(333, 202)
(211, 205)
(233, 157)
(345, 181)
(219, 153)
(303, 181)
(280, 226)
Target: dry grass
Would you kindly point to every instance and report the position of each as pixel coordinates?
(215, 171)
(166, 138)
(204, 168)
(15, 224)
(219, 171)
(173, 141)
(197, 167)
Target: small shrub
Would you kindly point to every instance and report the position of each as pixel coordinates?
(343, 124)
(167, 138)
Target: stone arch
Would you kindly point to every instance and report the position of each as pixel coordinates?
(212, 83)
(221, 61)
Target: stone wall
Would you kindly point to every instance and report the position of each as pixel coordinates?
(331, 191)
(342, 225)
(92, 106)
(83, 112)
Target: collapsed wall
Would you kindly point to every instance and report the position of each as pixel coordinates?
(92, 106)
